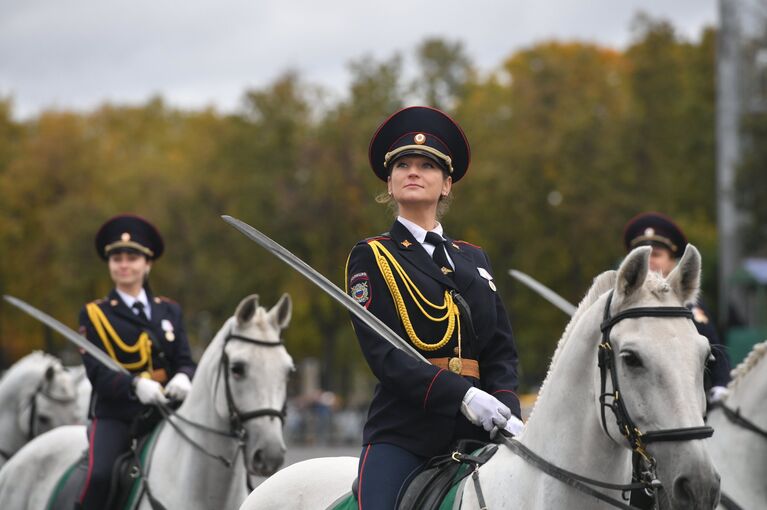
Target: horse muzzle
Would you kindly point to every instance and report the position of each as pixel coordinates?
(266, 459)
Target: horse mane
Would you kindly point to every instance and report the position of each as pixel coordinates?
(758, 352)
(601, 284)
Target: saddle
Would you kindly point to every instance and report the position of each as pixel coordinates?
(436, 485)
(127, 486)
(429, 488)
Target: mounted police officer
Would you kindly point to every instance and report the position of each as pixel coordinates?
(142, 332)
(668, 243)
(440, 295)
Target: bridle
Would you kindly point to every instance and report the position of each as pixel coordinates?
(637, 439)
(606, 361)
(42, 391)
(237, 418)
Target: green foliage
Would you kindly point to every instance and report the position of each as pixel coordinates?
(568, 140)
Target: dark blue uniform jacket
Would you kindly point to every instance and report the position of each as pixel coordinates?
(417, 406)
(113, 395)
(718, 370)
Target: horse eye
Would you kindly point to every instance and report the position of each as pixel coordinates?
(631, 359)
(44, 420)
(238, 370)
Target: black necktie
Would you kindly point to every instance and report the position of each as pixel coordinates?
(440, 255)
(138, 306)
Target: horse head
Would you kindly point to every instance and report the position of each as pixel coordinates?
(656, 358)
(48, 398)
(252, 390)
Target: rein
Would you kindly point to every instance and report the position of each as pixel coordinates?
(636, 438)
(735, 417)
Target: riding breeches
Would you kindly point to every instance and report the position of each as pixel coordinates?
(107, 439)
(383, 470)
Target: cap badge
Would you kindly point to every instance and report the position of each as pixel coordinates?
(649, 232)
(125, 237)
(419, 139)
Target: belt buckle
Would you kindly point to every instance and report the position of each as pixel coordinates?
(455, 365)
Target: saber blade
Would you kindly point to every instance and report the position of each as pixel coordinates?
(545, 292)
(66, 332)
(326, 285)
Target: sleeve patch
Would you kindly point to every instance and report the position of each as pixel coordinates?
(359, 288)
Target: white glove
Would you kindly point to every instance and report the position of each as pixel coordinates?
(178, 387)
(149, 391)
(514, 425)
(484, 410)
(717, 394)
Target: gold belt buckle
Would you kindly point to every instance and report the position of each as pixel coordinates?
(455, 365)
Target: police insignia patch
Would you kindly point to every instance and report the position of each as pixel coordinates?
(359, 288)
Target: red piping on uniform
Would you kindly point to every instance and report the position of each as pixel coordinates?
(362, 471)
(506, 391)
(90, 460)
(430, 385)
(464, 242)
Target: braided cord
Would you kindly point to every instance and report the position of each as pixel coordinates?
(105, 331)
(385, 261)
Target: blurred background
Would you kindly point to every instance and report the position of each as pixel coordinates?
(578, 117)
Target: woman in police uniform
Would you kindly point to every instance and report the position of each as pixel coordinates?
(142, 332)
(439, 295)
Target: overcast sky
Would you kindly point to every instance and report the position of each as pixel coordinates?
(76, 54)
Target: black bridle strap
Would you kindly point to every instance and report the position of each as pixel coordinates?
(680, 434)
(574, 480)
(735, 417)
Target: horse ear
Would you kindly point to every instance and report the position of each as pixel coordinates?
(282, 311)
(246, 309)
(633, 272)
(685, 278)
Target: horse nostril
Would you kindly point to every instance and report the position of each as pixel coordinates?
(683, 492)
(257, 459)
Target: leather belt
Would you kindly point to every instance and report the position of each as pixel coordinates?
(463, 366)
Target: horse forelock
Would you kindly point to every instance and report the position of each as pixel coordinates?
(602, 284)
(757, 354)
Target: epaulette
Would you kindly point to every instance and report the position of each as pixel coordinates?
(467, 243)
(164, 299)
(99, 301)
(380, 237)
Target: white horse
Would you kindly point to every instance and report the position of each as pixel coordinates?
(738, 448)
(233, 412)
(36, 395)
(659, 363)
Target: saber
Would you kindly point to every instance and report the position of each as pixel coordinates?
(68, 333)
(326, 285)
(545, 292)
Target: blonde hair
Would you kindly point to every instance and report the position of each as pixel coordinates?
(388, 200)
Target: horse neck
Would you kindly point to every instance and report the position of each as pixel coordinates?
(565, 426)
(17, 386)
